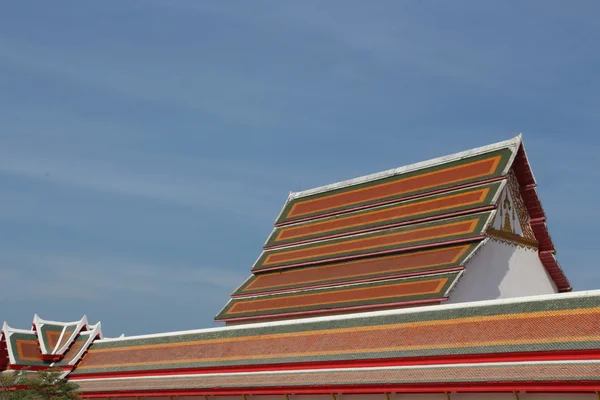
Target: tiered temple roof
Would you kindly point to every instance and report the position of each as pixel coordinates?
(459, 228)
(459, 345)
(394, 239)
(47, 344)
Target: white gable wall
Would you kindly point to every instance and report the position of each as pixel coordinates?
(500, 271)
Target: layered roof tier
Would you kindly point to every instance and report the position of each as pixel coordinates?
(458, 229)
(48, 343)
(490, 342)
(397, 238)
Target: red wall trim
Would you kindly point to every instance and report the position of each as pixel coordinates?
(547, 387)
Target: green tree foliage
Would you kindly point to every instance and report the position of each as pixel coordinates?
(41, 385)
(10, 384)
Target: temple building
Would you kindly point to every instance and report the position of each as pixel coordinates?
(436, 280)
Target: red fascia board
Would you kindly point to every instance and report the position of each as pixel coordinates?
(383, 203)
(532, 202)
(335, 310)
(569, 355)
(333, 284)
(376, 253)
(377, 228)
(51, 357)
(3, 354)
(468, 387)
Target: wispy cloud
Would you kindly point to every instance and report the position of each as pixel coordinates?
(137, 137)
(98, 278)
(398, 35)
(210, 184)
(184, 81)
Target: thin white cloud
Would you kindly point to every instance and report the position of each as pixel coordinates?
(166, 181)
(397, 35)
(185, 81)
(93, 278)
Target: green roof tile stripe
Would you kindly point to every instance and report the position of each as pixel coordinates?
(462, 171)
(67, 336)
(390, 214)
(422, 234)
(25, 349)
(379, 293)
(378, 267)
(77, 345)
(484, 329)
(50, 335)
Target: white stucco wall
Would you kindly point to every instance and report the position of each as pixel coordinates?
(500, 271)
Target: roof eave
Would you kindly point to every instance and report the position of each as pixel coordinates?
(527, 184)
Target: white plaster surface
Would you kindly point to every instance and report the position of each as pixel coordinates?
(500, 271)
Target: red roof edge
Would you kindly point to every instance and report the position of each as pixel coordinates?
(527, 185)
(3, 353)
(51, 357)
(583, 387)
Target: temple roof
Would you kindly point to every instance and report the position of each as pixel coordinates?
(48, 343)
(373, 246)
(477, 377)
(492, 341)
(393, 239)
(56, 337)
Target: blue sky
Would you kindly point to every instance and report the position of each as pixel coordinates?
(146, 147)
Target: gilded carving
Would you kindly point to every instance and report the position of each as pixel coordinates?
(507, 210)
(522, 214)
(512, 239)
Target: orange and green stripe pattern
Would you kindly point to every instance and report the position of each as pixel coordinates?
(50, 334)
(26, 349)
(372, 243)
(373, 218)
(467, 170)
(560, 324)
(364, 294)
(380, 267)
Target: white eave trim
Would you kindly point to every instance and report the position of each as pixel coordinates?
(402, 311)
(8, 331)
(92, 333)
(78, 326)
(37, 319)
(513, 143)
